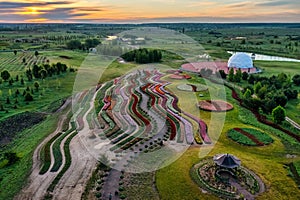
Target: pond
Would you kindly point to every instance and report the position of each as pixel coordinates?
(267, 57)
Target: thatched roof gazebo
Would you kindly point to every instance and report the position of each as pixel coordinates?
(227, 161)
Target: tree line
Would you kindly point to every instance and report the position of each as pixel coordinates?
(45, 70)
(143, 56)
(77, 45)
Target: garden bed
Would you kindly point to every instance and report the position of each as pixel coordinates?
(249, 137)
(215, 106)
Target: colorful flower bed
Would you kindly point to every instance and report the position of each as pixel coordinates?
(202, 129)
(215, 106)
(250, 137)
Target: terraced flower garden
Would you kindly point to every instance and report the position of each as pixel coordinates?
(249, 137)
(132, 108)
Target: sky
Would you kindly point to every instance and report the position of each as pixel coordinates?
(144, 11)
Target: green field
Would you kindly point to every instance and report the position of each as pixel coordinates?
(13, 177)
(275, 67)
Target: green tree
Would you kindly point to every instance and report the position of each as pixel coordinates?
(11, 81)
(238, 76)
(251, 79)
(5, 75)
(269, 105)
(223, 74)
(74, 44)
(257, 87)
(278, 114)
(17, 92)
(281, 99)
(262, 92)
(296, 79)
(11, 157)
(245, 76)
(282, 77)
(36, 71)
(231, 75)
(1, 107)
(247, 94)
(91, 43)
(28, 97)
(36, 85)
(22, 81)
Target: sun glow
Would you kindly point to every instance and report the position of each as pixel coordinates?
(31, 11)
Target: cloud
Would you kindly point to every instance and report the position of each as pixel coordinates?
(279, 3)
(239, 5)
(60, 13)
(6, 4)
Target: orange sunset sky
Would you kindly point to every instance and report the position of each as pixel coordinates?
(138, 11)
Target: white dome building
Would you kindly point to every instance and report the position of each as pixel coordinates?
(240, 61)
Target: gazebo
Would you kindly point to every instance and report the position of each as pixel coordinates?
(227, 161)
(227, 166)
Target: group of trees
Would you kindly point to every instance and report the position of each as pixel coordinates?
(234, 77)
(45, 70)
(89, 43)
(37, 72)
(269, 93)
(143, 56)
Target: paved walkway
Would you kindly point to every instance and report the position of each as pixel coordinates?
(293, 123)
(242, 190)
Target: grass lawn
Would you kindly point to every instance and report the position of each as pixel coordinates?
(274, 67)
(70, 58)
(13, 177)
(50, 90)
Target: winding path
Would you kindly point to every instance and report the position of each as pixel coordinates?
(38, 184)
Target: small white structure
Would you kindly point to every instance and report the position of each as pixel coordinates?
(93, 50)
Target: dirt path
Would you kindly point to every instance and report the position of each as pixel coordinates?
(38, 184)
(73, 182)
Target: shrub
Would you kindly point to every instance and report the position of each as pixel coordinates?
(279, 114)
